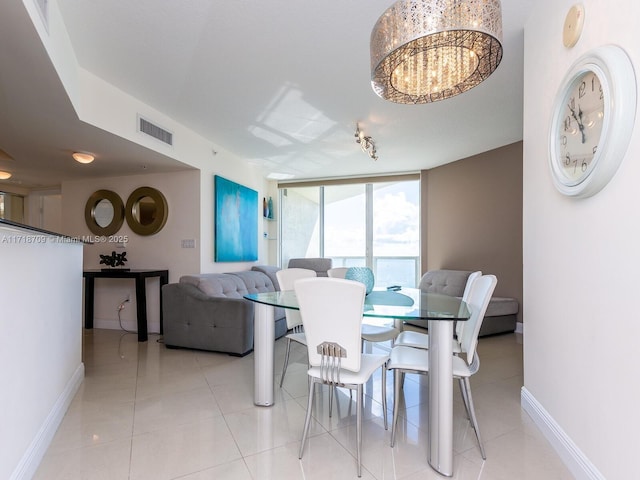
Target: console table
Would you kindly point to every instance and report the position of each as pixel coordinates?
(140, 277)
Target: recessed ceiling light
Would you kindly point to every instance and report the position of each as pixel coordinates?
(5, 175)
(83, 157)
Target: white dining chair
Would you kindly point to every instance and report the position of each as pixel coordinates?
(405, 359)
(410, 338)
(337, 272)
(372, 331)
(331, 311)
(286, 278)
(382, 332)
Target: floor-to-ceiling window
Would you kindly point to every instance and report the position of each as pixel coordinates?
(373, 223)
(345, 225)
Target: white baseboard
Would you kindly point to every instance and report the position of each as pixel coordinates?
(520, 328)
(571, 455)
(32, 457)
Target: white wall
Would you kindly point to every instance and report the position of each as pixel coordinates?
(581, 261)
(40, 344)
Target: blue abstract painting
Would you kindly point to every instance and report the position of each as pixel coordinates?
(236, 227)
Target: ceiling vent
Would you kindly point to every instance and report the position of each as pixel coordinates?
(153, 130)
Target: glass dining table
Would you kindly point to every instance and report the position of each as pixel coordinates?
(439, 313)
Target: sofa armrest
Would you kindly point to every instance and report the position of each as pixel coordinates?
(195, 320)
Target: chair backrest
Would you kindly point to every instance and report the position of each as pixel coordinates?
(478, 301)
(337, 272)
(320, 265)
(465, 298)
(332, 312)
(286, 279)
(447, 282)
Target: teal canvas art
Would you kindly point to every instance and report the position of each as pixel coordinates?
(236, 229)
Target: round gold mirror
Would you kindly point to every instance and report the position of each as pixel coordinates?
(146, 211)
(104, 212)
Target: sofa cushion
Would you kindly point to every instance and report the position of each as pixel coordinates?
(499, 306)
(255, 282)
(447, 282)
(269, 271)
(217, 284)
(254, 285)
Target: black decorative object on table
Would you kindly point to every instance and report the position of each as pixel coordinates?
(114, 260)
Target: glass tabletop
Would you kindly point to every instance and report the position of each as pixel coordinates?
(405, 304)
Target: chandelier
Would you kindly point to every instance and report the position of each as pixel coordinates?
(423, 51)
(367, 144)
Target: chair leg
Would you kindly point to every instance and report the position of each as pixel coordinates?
(286, 361)
(474, 421)
(307, 419)
(359, 429)
(397, 379)
(384, 395)
(465, 400)
(332, 390)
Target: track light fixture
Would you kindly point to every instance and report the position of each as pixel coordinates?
(367, 144)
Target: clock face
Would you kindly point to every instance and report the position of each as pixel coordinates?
(580, 128)
(592, 121)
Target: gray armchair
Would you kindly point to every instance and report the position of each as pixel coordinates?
(319, 265)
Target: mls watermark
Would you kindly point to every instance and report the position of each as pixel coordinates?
(39, 239)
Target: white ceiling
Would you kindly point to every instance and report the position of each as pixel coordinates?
(280, 83)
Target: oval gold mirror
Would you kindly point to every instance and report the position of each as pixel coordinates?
(104, 212)
(146, 211)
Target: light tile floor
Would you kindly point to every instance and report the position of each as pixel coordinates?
(145, 412)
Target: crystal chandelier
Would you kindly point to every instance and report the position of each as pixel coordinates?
(423, 51)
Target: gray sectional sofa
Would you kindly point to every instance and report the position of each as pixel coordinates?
(207, 311)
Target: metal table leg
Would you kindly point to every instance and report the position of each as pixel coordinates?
(440, 454)
(263, 346)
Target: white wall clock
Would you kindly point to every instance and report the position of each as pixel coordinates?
(593, 117)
